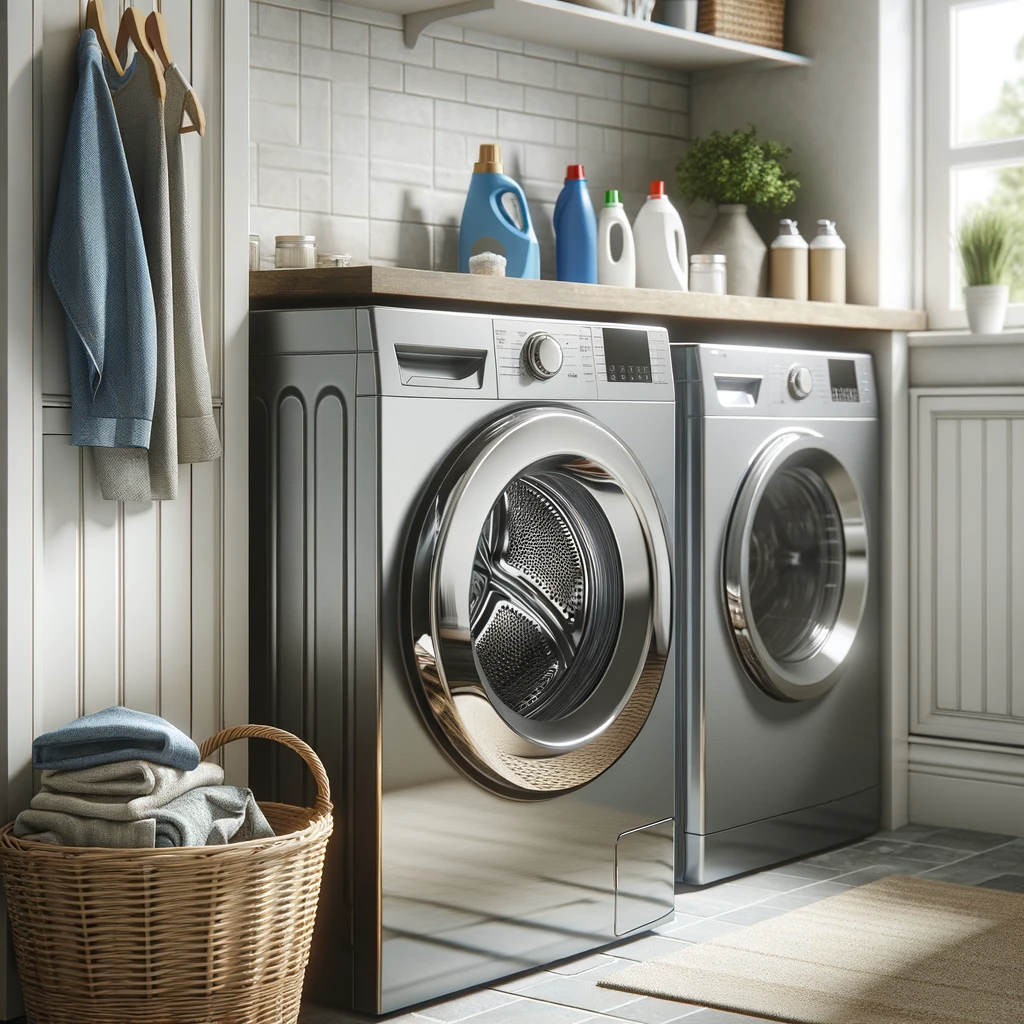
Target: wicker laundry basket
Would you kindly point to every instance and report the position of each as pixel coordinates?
(196, 935)
(746, 21)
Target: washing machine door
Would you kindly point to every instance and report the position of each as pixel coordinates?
(796, 567)
(541, 603)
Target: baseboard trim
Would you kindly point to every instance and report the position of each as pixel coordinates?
(967, 785)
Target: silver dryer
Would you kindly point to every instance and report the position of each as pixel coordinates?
(779, 643)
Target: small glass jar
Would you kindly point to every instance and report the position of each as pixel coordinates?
(254, 252)
(295, 252)
(334, 259)
(707, 273)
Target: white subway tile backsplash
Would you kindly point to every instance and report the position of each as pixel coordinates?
(513, 67)
(350, 135)
(408, 143)
(370, 145)
(276, 23)
(466, 117)
(273, 122)
(402, 109)
(315, 30)
(350, 36)
(468, 60)
(273, 54)
(389, 44)
(440, 84)
(386, 74)
(274, 87)
(550, 102)
(486, 92)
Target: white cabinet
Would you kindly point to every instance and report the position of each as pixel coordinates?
(967, 616)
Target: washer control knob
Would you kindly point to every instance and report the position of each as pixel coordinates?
(800, 382)
(542, 356)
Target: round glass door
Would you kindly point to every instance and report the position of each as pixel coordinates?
(796, 567)
(540, 604)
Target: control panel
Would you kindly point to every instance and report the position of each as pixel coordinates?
(555, 359)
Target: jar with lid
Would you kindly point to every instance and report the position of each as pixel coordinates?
(254, 252)
(293, 252)
(707, 273)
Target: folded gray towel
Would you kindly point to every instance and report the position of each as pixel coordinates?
(70, 830)
(128, 791)
(115, 734)
(211, 816)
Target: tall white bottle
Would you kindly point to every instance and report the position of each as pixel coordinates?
(661, 257)
(620, 272)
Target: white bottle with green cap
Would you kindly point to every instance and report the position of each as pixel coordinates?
(619, 271)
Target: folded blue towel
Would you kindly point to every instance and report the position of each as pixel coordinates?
(116, 734)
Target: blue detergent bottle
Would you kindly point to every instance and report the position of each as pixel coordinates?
(575, 230)
(487, 225)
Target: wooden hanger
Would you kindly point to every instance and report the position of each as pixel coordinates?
(96, 19)
(156, 33)
(133, 27)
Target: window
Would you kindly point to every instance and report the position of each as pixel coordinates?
(973, 138)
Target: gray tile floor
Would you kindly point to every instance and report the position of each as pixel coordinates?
(568, 993)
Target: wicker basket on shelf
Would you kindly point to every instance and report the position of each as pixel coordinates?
(195, 935)
(747, 21)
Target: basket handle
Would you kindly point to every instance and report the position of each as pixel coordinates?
(286, 739)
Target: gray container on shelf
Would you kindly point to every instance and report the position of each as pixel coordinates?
(679, 14)
(737, 239)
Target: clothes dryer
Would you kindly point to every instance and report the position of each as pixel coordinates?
(778, 651)
(461, 596)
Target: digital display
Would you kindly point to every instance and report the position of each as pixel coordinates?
(627, 355)
(842, 377)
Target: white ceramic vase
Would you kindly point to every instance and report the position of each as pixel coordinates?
(986, 307)
(746, 256)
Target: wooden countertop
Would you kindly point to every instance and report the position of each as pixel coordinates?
(372, 285)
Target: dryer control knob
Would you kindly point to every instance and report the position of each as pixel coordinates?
(542, 356)
(800, 382)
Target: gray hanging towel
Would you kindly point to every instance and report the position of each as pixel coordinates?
(198, 440)
(132, 474)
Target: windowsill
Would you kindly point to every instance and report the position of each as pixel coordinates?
(939, 339)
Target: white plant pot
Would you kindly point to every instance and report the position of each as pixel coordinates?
(986, 307)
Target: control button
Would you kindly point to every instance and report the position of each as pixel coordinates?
(542, 356)
(800, 382)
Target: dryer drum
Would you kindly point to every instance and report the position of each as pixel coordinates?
(547, 596)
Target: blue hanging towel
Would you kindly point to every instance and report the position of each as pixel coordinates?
(97, 263)
(116, 734)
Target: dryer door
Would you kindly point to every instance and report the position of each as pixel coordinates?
(540, 603)
(796, 567)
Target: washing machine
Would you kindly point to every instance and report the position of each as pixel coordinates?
(779, 644)
(461, 597)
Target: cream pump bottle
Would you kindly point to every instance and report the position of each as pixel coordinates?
(788, 267)
(828, 264)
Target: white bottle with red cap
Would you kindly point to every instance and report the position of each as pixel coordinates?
(661, 258)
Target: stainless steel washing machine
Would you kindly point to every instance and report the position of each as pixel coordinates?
(461, 596)
(778, 652)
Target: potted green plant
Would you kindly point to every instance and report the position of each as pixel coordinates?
(736, 172)
(986, 245)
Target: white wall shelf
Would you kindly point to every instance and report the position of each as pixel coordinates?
(558, 23)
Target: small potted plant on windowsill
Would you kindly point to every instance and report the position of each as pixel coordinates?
(986, 245)
(734, 172)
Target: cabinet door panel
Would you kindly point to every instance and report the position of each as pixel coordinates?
(968, 573)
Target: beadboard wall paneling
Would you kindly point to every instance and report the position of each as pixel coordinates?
(370, 146)
(968, 612)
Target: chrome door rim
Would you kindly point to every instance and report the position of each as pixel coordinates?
(509, 753)
(815, 675)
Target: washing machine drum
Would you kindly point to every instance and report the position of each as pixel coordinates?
(540, 599)
(796, 568)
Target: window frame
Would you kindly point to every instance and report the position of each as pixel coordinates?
(941, 158)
